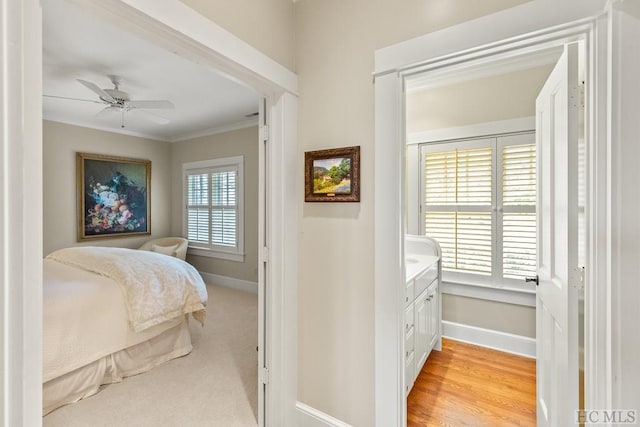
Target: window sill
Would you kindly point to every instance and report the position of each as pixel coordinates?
(526, 297)
(216, 254)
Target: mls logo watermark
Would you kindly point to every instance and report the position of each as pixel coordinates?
(607, 416)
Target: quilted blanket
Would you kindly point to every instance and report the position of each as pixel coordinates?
(156, 287)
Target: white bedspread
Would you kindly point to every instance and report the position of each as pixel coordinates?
(156, 287)
(85, 319)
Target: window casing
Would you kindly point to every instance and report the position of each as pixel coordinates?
(213, 207)
(479, 201)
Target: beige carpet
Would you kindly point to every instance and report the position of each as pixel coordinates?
(215, 385)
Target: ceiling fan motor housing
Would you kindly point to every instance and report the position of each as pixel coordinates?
(120, 96)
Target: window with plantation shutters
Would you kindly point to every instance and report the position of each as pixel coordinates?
(479, 201)
(213, 208)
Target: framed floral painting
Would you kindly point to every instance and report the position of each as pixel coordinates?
(113, 196)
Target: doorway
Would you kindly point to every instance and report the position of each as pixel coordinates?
(471, 185)
(390, 214)
(187, 33)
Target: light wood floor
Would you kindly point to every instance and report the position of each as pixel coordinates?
(467, 385)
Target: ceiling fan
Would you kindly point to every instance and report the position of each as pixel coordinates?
(118, 101)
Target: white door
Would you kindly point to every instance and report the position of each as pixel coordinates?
(557, 112)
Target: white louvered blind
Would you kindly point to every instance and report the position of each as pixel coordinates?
(212, 211)
(519, 218)
(458, 196)
(198, 208)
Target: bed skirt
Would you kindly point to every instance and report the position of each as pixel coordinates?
(86, 381)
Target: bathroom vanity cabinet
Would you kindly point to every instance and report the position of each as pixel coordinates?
(422, 304)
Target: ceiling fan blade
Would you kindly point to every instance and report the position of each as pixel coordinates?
(150, 116)
(74, 99)
(107, 112)
(94, 87)
(151, 104)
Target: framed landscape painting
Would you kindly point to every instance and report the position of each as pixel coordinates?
(332, 175)
(113, 196)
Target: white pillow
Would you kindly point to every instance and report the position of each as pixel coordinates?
(165, 250)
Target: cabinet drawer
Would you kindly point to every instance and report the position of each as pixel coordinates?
(409, 372)
(408, 318)
(425, 279)
(409, 292)
(409, 341)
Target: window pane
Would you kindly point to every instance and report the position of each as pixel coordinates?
(465, 239)
(224, 188)
(224, 226)
(440, 178)
(198, 224)
(519, 245)
(198, 189)
(459, 177)
(441, 226)
(474, 176)
(519, 175)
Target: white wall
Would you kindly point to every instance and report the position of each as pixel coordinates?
(240, 142)
(60, 144)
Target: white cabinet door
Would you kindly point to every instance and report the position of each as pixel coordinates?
(422, 329)
(434, 315)
(557, 301)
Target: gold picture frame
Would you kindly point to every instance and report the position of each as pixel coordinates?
(332, 175)
(114, 196)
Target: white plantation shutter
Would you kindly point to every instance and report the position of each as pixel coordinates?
(458, 183)
(479, 204)
(519, 204)
(224, 213)
(213, 204)
(519, 247)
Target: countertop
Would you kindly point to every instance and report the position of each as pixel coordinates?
(416, 264)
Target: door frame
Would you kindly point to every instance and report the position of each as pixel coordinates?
(503, 34)
(173, 25)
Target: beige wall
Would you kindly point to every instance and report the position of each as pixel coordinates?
(497, 316)
(334, 55)
(266, 25)
(60, 144)
(499, 97)
(240, 142)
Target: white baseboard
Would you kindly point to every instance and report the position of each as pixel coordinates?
(311, 417)
(509, 343)
(230, 282)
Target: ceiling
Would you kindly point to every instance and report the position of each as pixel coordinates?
(81, 46)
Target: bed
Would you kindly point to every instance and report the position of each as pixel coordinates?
(110, 313)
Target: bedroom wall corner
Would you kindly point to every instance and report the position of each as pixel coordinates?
(234, 143)
(60, 144)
